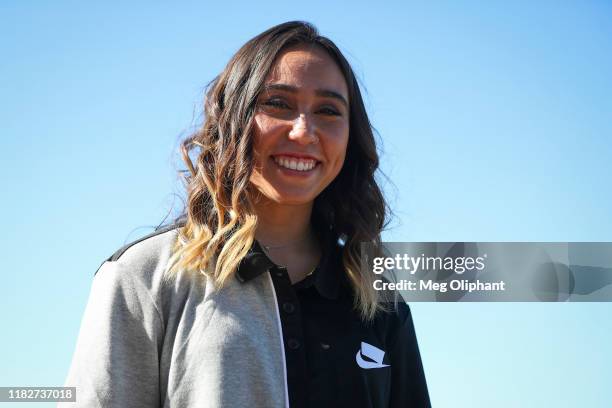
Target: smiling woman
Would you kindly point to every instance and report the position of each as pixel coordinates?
(254, 297)
(301, 127)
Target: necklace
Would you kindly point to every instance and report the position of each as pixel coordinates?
(269, 247)
(266, 248)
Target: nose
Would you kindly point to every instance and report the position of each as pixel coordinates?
(303, 131)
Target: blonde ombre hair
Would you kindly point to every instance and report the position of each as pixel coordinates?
(220, 217)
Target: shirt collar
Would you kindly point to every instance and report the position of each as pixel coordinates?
(326, 275)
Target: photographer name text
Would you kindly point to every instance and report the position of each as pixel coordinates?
(462, 285)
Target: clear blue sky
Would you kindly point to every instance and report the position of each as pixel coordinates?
(495, 119)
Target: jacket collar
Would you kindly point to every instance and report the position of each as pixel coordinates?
(326, 275)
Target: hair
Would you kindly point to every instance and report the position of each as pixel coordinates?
(220, 218)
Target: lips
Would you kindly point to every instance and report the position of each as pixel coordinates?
(295, 163)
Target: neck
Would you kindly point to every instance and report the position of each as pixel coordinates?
(280, 225)
(286, 233)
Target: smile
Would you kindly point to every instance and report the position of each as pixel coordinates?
(293, 163)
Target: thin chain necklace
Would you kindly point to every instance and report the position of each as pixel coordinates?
(266, 248)
(269, 247)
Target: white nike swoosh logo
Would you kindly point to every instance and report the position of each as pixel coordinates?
(371, 352)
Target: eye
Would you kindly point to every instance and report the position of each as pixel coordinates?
(276, 103)
(328, 110)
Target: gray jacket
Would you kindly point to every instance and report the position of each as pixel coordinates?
(147, 344)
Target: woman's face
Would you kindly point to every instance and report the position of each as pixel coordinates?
(301, 127)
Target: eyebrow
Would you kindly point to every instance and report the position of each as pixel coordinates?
(319, 92)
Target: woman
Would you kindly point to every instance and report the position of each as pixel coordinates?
(256, 297)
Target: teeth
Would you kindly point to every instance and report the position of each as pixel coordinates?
(295, 164)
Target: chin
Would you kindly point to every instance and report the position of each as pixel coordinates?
(283, 194)
(291, 200)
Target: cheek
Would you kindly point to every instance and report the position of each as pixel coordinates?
(257, 162)
(258, 130)
(337, 147)
(264, 131)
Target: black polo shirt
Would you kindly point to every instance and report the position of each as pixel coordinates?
(333, 358)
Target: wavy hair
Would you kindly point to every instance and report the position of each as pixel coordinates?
(220, 217)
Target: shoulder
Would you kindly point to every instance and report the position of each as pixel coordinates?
(396, 320)
(132, 278)
(148, 251)
(139, 269)
(396, 312)
(151, 243)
